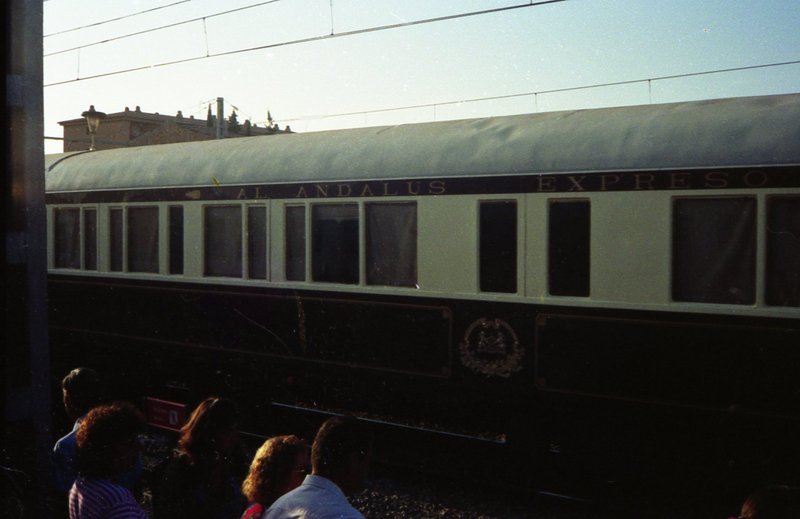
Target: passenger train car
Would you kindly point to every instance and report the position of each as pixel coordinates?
(616, 287)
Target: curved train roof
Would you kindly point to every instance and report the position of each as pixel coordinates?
(748, 131)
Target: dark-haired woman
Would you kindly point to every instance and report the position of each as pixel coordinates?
(203, 480)
(280, 465)
(107, 446)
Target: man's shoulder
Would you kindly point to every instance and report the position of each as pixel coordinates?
(66, 442)
(312, 500)
(310, 513)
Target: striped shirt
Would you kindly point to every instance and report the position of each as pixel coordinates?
(102, 499)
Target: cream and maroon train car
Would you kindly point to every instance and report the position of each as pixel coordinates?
(606, 284)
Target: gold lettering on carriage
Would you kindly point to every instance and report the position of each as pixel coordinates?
(755, 178)
(253, 194)
(371, 189)
(716, 180)
(622, 181)
(644, 181)
(576, 183)
(606, 181)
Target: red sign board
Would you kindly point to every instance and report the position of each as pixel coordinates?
(164, 414)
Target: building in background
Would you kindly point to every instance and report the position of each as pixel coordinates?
(137, 128)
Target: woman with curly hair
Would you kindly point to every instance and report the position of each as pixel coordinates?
(772, 502)
(203, 479)
(279, 466)
(107, 446)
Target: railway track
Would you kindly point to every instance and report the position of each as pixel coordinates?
(436, 473)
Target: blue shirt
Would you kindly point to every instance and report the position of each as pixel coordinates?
(316, 498)
(64, 460)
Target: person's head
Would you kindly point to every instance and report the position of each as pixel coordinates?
(342, 452)
(280, 465)
(212, 429)
(107, 440)
(81, 391)
(773, 502)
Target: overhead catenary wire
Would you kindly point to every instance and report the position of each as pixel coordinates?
(161, 28)
(524, 94)
(543, 92)
(118, 18)
(295, 42)
(531, 3)
(302, 40)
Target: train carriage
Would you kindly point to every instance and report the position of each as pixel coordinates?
(617, 286)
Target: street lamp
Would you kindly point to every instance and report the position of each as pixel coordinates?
(93, 118)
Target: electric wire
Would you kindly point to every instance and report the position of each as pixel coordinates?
(298, 41)
(103, 22)
(433, 105)
(304, 40)
(159, 28)
(543, 92)
(522, 94)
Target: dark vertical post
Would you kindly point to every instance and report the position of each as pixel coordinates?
(27, 434)
(220, 118)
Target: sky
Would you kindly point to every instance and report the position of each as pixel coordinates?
(309, 61)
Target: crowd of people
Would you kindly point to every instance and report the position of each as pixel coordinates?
(98, 467)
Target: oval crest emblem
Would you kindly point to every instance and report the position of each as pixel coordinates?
(490, 347)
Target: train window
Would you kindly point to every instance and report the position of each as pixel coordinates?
(498, 246)
(115, 239)
(569, 248)
(783, 251)
(90, 239)
(391, 243)
(223, 241)
(257, 242)
(176, 240)
(714, 250)
(334, 243)
(296, 243)
(143, 239)
(67, 238)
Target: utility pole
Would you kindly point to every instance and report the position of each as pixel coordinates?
(27, 434)
(220, 118)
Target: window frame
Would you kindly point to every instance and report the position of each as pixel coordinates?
(78, 243)
(86, 239)
(346, 253)
(585, 288)
(490, 286)
(247, 256)
(769, 297)
(753, 257)
(127, 229)
(303, 260)
(204, 239)
(369, 262)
